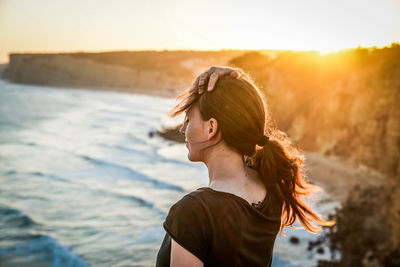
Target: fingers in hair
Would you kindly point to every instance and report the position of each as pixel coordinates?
(213, 80)
(195, 86)
(234, 73)
(203, 78)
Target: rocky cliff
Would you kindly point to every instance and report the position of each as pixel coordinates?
(345, 105)
(2, 68)
(165, 70)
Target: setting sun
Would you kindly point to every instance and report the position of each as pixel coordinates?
(290, 142)
(326, 26)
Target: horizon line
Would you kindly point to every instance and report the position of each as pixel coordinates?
(329, 51)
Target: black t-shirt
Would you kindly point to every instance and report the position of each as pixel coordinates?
(222, 229)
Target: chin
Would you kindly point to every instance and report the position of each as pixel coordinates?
(193, 158)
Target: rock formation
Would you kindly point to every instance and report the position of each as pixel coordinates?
(169, 71)
(343, 105)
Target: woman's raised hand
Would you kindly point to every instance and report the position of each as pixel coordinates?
(211, 76)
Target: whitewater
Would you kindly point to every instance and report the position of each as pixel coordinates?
(84, 182)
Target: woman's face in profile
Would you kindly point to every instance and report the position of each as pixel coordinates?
(194, 130)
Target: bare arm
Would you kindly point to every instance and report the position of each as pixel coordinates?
(180, 257)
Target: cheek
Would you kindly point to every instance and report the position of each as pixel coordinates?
(192, 132)
(189, 132)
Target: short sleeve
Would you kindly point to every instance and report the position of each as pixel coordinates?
(188, 225)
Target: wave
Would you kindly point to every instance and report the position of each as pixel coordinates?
(135, 152)
(20, 143)
(276, 262)
(153, 155)
(142, 202)
(26, 249)
(134, 139)
(119, 112)
(51, 176)
(40, 250)
(4, 125)
(134, 174)
(136, 199)
(15, 218)
(174, 161)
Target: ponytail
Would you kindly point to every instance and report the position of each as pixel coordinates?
(240, 109)
(280, 165)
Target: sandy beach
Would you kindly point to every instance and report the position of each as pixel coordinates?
(338, 177)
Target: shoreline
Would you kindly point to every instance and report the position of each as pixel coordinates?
(337, 177)
(333, 175)
(142, 91)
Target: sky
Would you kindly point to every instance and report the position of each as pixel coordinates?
(103, 25)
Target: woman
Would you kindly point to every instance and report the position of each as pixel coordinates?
(256, 179)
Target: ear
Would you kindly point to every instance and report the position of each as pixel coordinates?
(212, 128)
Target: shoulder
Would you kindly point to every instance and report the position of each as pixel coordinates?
(206, 196)
(187, 223)
(190, 205)
(194, 212)
(187, 204)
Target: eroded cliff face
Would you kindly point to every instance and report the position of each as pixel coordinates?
(170, 71)
(2, 68)
(345, 105)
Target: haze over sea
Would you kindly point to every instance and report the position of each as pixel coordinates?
(82, 183)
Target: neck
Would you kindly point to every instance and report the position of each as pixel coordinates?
(227, 170)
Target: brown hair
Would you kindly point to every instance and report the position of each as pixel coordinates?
(240, 109)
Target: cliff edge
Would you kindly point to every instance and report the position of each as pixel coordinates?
(164, 71)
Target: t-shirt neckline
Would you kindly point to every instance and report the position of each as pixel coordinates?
(262, 203)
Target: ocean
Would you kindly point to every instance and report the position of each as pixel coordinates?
(84, 183)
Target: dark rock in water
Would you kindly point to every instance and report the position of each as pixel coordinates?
(294, 240)
(316, 243)
(320, 250)
(151, 134)
(325, 263)
(172, 134)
